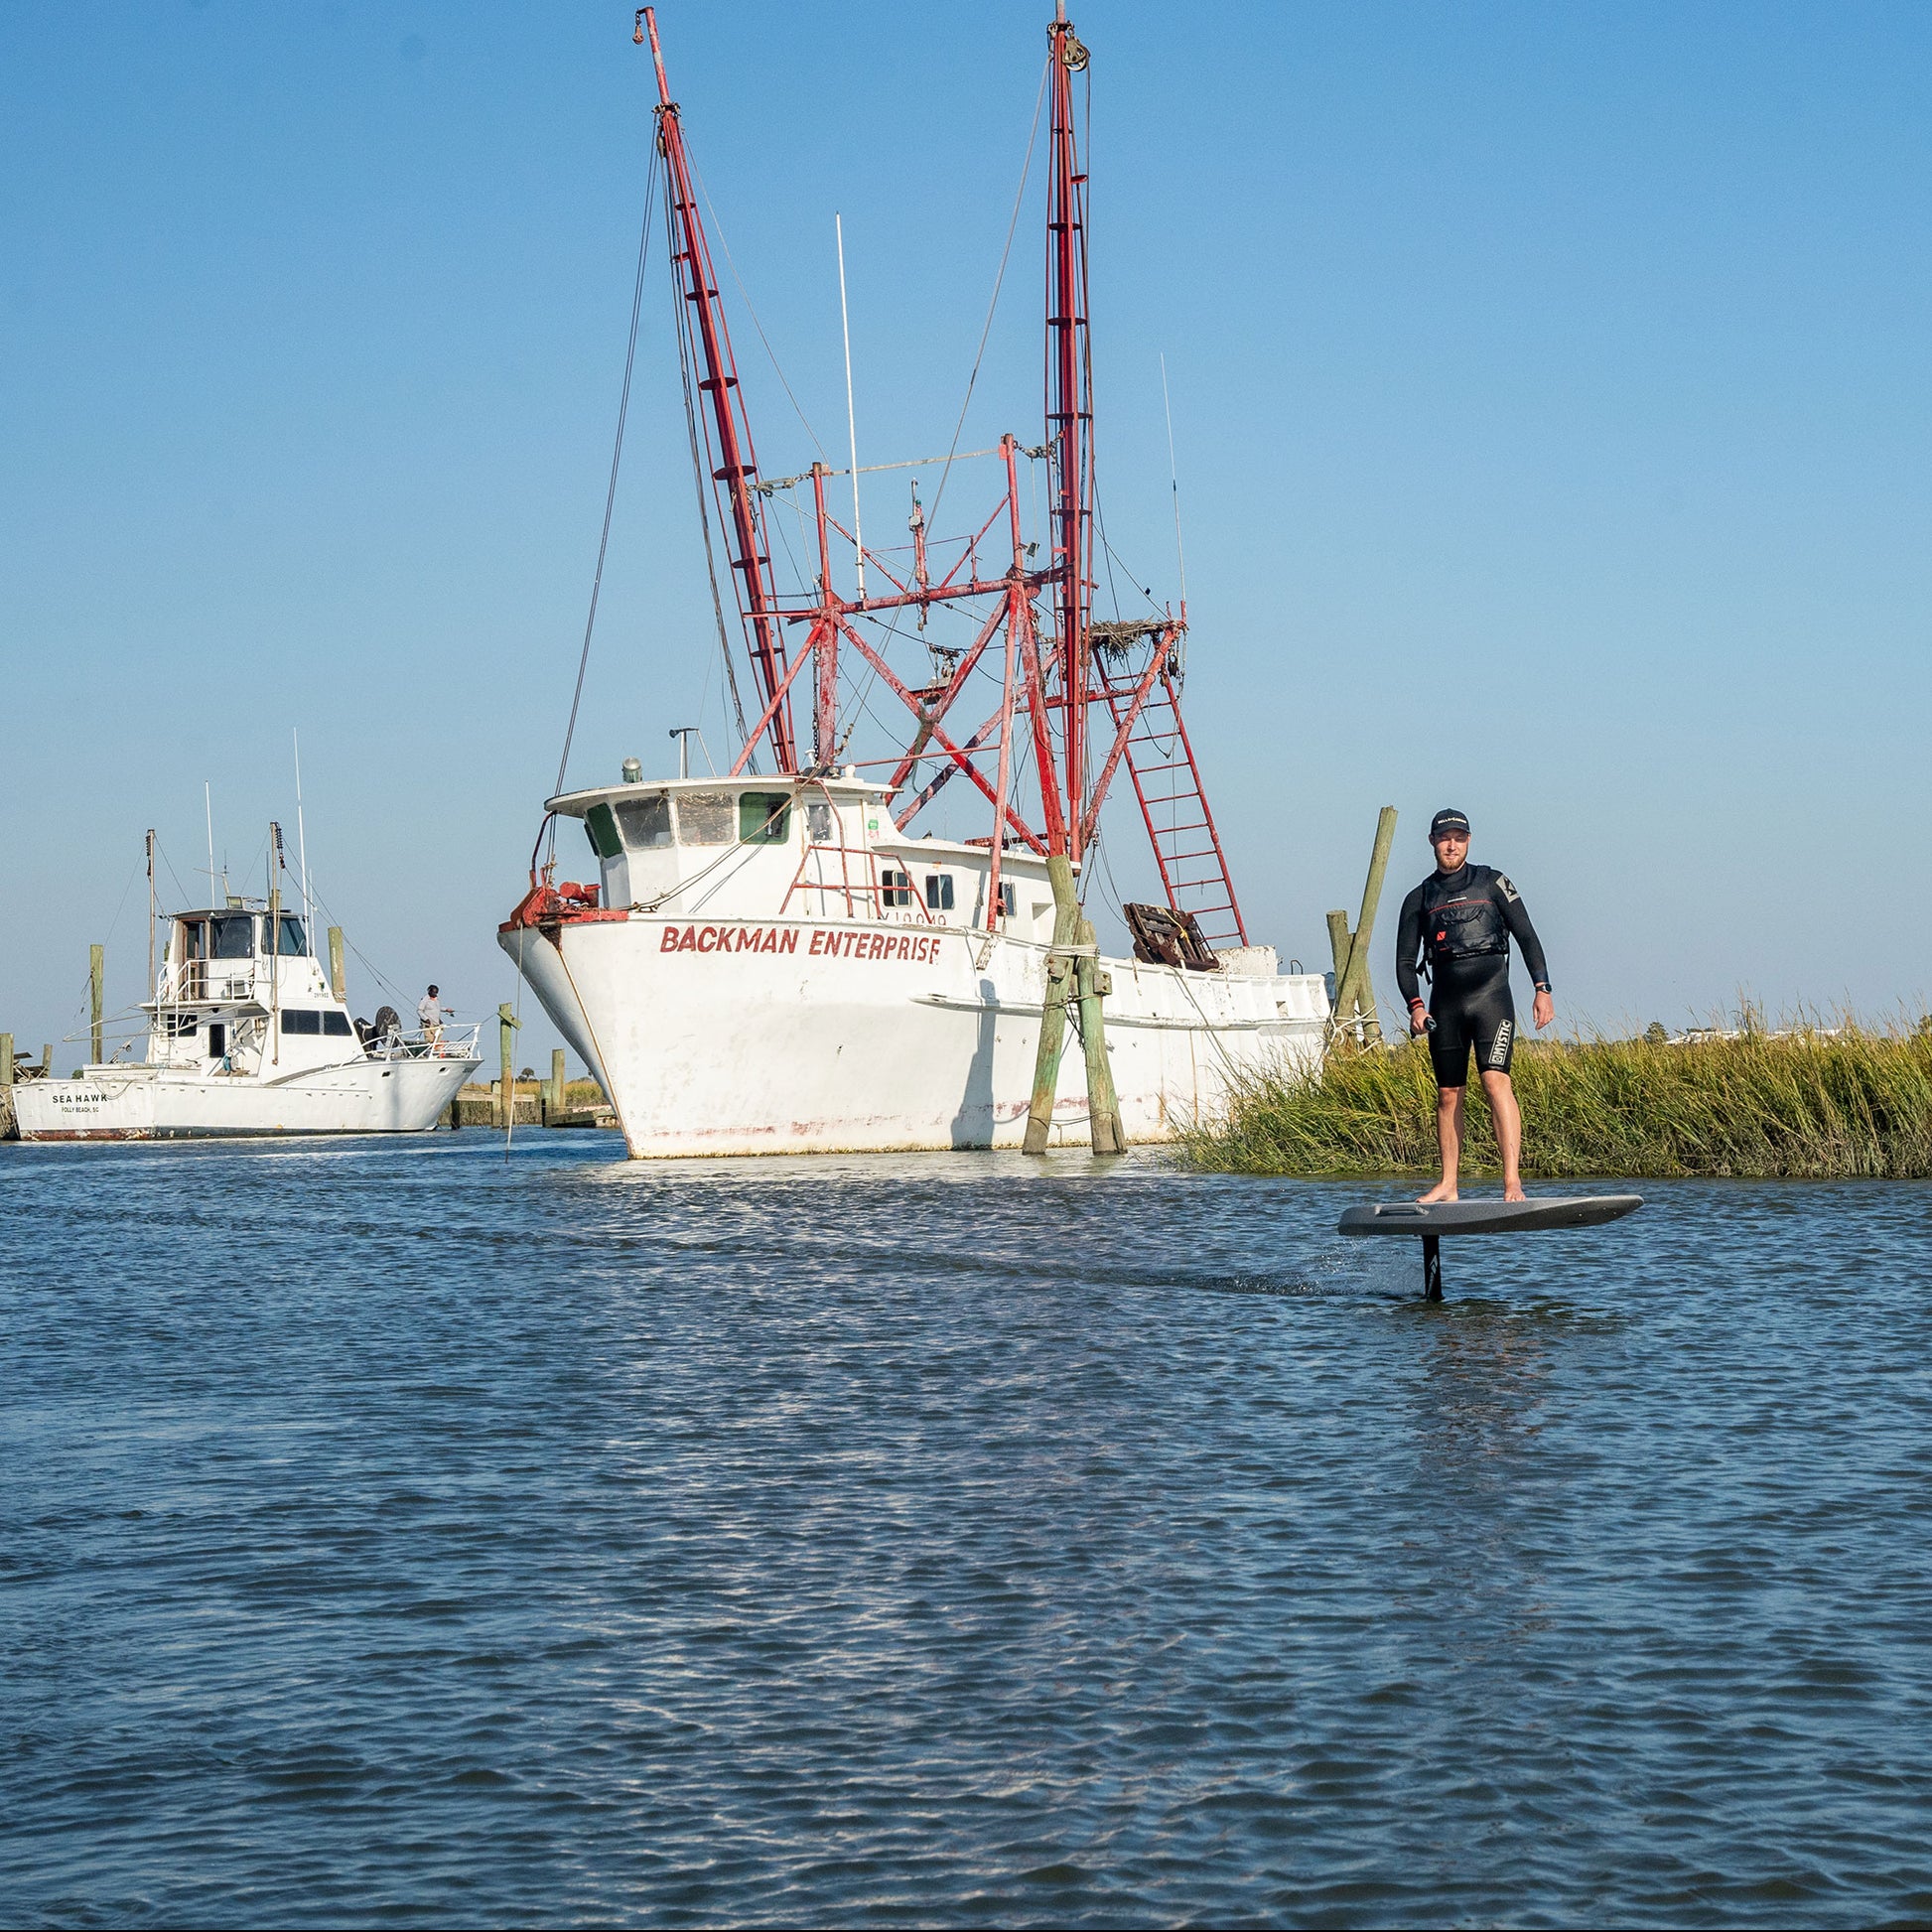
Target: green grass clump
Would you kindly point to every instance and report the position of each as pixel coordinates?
(1808, 1103)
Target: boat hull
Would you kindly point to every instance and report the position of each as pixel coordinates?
(138, 1103)
(776, 1036)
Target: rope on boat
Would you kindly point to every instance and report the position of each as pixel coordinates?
(616, 458)
(681, 324)
(1020, 195)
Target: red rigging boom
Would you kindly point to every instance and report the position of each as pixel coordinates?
(1054, 677)
(727, 430)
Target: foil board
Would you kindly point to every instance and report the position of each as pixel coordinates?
(1488, 1216)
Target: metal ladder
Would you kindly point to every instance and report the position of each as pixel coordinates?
(1166, 780)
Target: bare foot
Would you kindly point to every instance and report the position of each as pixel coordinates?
(1515, 1193)
(1443, 1190)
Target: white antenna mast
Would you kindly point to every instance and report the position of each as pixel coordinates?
(1174, 480)
(302, 848)
(851, 421)
(207, 805)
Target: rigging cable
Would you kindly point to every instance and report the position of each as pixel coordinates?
(718, 229)
(980, 355)
(611, 491)
(683, 321)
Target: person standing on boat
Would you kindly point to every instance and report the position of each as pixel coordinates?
(428, 1017)
(1458, 922)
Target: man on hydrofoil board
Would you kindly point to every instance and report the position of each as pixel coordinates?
(1458, 922)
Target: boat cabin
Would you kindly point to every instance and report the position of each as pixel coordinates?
(240, 992)
(803, 848)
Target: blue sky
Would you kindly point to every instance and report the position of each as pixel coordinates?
(1550, 390)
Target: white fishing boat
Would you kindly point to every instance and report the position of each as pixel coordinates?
(247, 1035)
(786, 962)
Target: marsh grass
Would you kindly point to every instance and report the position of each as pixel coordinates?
(1808, 1103)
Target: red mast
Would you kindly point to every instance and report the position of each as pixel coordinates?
(1069, 420)
(727, 430)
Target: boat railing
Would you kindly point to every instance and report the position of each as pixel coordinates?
(428, 1043)
(199, 982)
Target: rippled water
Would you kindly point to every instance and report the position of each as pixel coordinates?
(394, 1533)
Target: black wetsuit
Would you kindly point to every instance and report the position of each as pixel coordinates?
(1461, 923)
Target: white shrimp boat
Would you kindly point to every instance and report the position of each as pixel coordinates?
(246, 1034)
(787, 963)
(767, 968)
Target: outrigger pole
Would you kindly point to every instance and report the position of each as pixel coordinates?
(727, 430)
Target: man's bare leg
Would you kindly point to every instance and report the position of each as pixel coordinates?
(1449, 1137)
(1508, 1116)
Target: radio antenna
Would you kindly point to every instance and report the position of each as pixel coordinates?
(851, 420)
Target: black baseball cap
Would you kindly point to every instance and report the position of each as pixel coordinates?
(1447, 822)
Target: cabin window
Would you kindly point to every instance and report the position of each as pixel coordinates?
(763, 817)
(1009, 898)
(296, 1020)
(706, 818)
(337, 1024)
(938, 892)
(234, 936)
(645, 822)
(294, 941)
(180, 1026)
(819, 822)
(896, 886)
(194, 939)
(601, 828)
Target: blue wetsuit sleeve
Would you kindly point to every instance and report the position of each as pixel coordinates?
(1524, 934)
(1408, 947)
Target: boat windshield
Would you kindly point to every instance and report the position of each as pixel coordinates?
(706, 818)
(645, 822)
(233, 935)
(294, 941)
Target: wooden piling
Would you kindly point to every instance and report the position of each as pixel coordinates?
(8, 1125)
(1339, 941)
(1354, 988)
(96, 994)
(337, 970)
(507, 1024)
(6, 1060)
(1052, 1018)
(1103, 1105)
(556, 1094)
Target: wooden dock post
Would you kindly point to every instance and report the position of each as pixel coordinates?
(1340, 941)
(96, 989)
(1052, 1017)
(1103, 1105)
(507, 1024)
(7, 1123)
(338, 971)
(556, 1094)
(1355, 1006)
(6, 1060)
